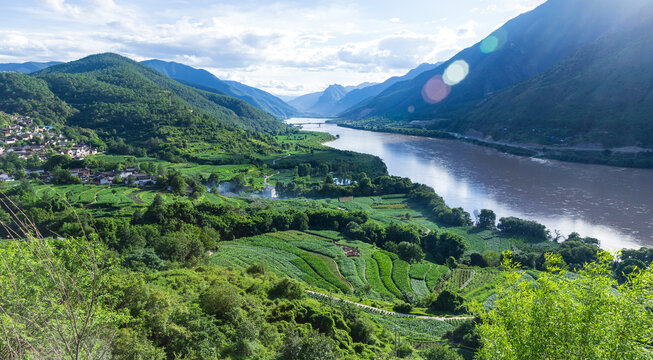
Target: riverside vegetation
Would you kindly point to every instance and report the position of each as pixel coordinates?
(350, 263)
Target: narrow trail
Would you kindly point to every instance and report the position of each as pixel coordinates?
(274, 162)
(338, 273)
(94, 200)
(386, 312)
(468, 280)
(267, 177)
(342, 277)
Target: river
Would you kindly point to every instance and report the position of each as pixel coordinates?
(611, 204)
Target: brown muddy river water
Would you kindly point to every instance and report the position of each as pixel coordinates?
(611, 204)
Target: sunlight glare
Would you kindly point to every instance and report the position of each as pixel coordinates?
(456, 72)
(435, 90)
(494, 42)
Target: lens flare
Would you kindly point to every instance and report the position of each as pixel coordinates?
(456, 72)
(435, 90)
(411, 109)
(494, 42)
(490, 44)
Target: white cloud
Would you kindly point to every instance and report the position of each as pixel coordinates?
(60, 7)
(285, 46)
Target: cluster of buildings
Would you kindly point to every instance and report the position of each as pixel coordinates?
(27, 139)
(87, 176)
(109, 177)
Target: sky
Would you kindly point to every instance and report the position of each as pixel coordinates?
(286, 47)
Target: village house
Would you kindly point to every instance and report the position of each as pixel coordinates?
(144, 179)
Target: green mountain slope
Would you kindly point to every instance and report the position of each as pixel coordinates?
(524, 47)
(126, 102)
(204, 80)
(29, 96)
(124, 80)
(603, 93)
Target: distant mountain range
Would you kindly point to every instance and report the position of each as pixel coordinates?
(522, 49)
(209, 82)
(336, 98)
(193, 77)
(330, 102)
(26, 68)
(320, 103)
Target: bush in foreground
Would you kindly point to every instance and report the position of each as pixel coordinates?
(559, 316)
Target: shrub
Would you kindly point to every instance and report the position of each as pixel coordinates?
(287, 288)
(440, 352)
(258, 268)
(447, 301)
(410, 252)
(221, 300)
(516, 226)
(403, 307)
(448, 245)
(476, 259)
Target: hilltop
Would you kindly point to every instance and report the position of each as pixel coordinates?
(204, 80)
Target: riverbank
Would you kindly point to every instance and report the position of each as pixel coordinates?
(608, 203)
(629, 159)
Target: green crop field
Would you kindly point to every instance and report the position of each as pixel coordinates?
(483, 284)
(318, 261)
(385, 271)
(374, 278)
(420, 330)
(317, 270)
(400, 270)
(434, 275)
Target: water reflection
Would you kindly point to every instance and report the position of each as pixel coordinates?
(611, 204)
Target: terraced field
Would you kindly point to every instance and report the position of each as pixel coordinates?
(315, 259)
(424, 276)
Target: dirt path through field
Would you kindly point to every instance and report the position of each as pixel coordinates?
(274, 162)
(468, 280)
(386, 312)
(267, 177)
(338, 273)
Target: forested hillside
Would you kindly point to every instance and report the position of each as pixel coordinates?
(30, 96)
(129, 103)
(204, 80)
(129, 81)
(524, 47)
(601, 94)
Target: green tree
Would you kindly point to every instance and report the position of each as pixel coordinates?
(410, 252)
(221, 300)
(178, 184)
(447, 301)
(558, 316)
(487, 219)
(310, 346)
(131, 180)
(239, 181)
(440, 352)
(64, 177)
(448, 245)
